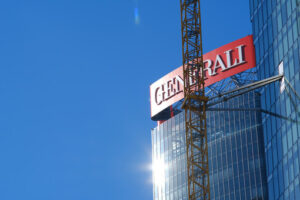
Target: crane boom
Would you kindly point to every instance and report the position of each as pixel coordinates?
(195, 101)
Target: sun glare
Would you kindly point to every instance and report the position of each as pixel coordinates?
(158, 169)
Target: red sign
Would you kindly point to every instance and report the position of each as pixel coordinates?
(221, 63)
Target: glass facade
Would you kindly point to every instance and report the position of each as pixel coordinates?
(276, 28)
(236, 153)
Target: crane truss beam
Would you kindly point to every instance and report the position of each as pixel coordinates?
(195, 101)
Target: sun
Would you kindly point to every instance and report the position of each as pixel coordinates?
(158, 169)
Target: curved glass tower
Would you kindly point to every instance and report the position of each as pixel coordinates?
(236, 154)
(276, 28)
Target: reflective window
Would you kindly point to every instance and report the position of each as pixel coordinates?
(281, 144)
(236, 154)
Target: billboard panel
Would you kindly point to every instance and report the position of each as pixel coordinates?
(221, 63)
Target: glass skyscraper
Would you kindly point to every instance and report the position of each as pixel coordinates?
(236, 153)
(276, 28)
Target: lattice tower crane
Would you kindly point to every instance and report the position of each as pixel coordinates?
(195, 101)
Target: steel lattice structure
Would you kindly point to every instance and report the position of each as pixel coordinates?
(195, 101)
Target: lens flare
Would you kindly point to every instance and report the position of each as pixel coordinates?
(136, 16)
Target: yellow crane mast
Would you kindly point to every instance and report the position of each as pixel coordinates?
(195, 101)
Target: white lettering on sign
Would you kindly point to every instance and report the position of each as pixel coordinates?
(174, 86)
(237, 62)
(168, 89)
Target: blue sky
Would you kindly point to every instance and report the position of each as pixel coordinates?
(74, 87)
